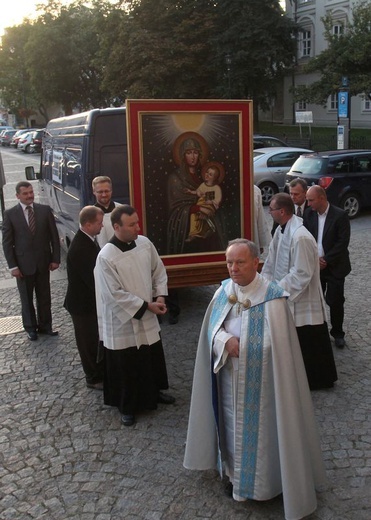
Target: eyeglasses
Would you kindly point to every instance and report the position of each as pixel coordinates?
(102, 192)
(273, 209)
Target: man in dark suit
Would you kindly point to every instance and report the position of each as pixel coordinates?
(330, 227)
(31, 248)
(80, 297)
(298, 191)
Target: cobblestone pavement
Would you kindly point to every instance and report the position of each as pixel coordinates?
(64, 455)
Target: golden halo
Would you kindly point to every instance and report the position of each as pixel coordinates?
(190, 135)
(215, 164)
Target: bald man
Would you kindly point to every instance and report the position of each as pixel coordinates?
(330, 227)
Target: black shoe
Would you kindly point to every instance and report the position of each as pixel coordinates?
(95, 386)
(127, 420)
(228, 489)
(49, 332)
(339, 342)
(165, 398)
(32, 335)
(173, 319)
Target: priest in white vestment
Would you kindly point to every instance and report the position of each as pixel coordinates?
(102, 190)
(131, 285)
(292, 262)
(251, 412)
(262, 236)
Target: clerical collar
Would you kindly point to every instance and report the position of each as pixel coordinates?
(123, 246)
(110, 208)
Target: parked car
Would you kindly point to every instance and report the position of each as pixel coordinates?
(4, 127)
(270, 168)
(36, 141)
(344, 174)
(265, 141)
(17, 136)
(6, 137)
(25, 142)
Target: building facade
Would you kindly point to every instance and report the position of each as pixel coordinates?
(308, 14)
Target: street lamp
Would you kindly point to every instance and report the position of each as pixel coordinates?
(228, 61)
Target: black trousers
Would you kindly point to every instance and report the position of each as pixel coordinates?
(38, 284)
(317, 354)
(133, 377)
(87, 341)
(333, 291)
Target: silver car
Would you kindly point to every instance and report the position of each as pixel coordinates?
(270, 168)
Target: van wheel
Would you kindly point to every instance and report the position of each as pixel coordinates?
(351, 204)
(268, 189)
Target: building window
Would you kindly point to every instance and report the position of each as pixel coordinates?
(337, 29)
(305, 44)
(367, 104)
(301, 105)
(333, 102)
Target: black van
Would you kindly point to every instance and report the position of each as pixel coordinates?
(75, 149)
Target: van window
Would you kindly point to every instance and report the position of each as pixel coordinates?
(66, 174)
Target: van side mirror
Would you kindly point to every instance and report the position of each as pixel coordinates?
(30, 173)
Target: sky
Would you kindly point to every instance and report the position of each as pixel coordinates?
(13, 12)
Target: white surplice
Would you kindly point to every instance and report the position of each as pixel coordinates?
(107, 231)
(255, 416)
(123, 281)
(292, 262)
(262, 235)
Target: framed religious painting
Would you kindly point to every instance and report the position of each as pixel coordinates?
(190, 165)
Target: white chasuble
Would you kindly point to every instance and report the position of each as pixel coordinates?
(259, 415)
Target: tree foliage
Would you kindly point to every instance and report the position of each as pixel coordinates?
(16, 89)
(92, 54)
(60, 56)
(347, 55)
(162, 50)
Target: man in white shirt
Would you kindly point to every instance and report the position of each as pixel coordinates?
(298, 191)
(102, 190)
(330, 226)
(80, 297)
(32, 249)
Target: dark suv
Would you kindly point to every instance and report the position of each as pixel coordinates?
(344, 174)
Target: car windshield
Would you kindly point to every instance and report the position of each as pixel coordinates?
(307, 165)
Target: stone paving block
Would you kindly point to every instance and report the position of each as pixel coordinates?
(65, 456)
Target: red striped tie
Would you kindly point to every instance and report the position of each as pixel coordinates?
(31, 219)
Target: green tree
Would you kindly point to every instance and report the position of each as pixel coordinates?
(17, 91)
(168, 49)
(60, 55)
(258, 40)
(90, 54)
(348, 54)
(159, 49)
